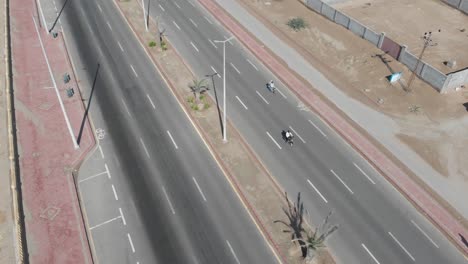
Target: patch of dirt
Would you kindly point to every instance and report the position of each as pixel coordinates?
(358, 68)
(405, 21)
(428, 151)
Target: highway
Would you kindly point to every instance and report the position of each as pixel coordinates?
(377, 224)
(152, 192)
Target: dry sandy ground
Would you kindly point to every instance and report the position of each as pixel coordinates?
(405, 21)
(431, 126)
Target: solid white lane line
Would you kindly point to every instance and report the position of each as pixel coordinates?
(178, 6)
(273, 140)
(120, 46)
(232, 251)
(367, 176)
(297, 134)
(316, 190)
(91, 177)
(168, 201)
(99, 6)
(242, 103)
(131, 242)
(199, 189)
(175, 24)
(151, 101)
(144, 147)
(424, 233)
(262, 97)
(207, 19)
(115, 193)
(195, 47)
(316, 127)
(215, 71)
(123, 218)
(370, 253)
(235, 68)
(253, 65)
(103, 223)
(109, 25)
(133, 69)
(212, 43)
(195, 24)
(162, 8)
(338, 177)
(107, 169)
(100, 150)
(402, 247)
(173, 141)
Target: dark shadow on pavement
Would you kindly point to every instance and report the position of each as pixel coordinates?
(83, 121)
(463, 239)
(217, 102)
(60, 13)
(386, 62)
(466, 106)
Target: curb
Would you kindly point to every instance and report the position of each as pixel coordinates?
(274, 247)
(396, 176)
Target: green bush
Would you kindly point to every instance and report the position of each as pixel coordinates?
(206, 106)
(191, 99)
(297, 23)
(163, 45)
(202, 97)
(152, 44)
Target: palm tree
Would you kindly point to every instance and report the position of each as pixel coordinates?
(198, 86)
(295, 212)
(316, 239)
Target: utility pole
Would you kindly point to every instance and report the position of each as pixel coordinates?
(427, 38)
(224, 84)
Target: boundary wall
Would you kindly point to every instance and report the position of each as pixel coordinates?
(440, 81)
(461, 5)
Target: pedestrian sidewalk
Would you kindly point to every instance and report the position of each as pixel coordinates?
(359, 113)
(55, 230)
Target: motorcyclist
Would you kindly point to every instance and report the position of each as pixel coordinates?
(271, 84)
(289, 135)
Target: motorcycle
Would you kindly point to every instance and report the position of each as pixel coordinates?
(289, 139)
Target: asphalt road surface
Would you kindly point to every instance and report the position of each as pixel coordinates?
(377, 224)
(152, 192)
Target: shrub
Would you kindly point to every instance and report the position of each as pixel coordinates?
(152, 44)
(297, 23)
(190, 99)
(202, 97)
(206, 106)
(163, 45)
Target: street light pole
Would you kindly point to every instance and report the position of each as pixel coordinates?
(224, 84)
(427, 38)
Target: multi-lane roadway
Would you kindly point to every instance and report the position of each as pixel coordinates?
(377, 225)
(152, 192)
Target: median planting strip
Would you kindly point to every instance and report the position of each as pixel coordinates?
(251, 181)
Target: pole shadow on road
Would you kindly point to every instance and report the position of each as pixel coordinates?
(89, 104)
(57, 18)
(463, 239)
(216, 98)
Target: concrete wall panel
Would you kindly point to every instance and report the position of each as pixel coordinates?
(315, 5)
(328, 11)
(356, 28)
(341, 19)
(434, 77)
(464, 6)
(371, 36)
(453, 3)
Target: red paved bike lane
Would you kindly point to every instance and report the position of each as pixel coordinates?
(55, 229)
(438, 214)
